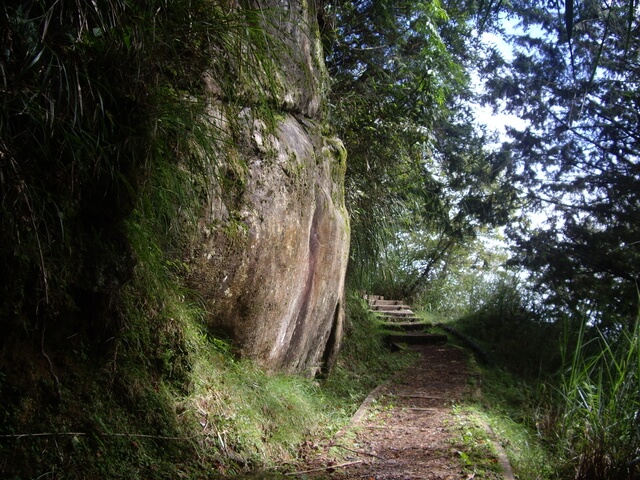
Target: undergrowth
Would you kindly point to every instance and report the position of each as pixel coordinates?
(170, 401)
(473, 444)
(106, 151)
(562, 395)
(519, 415)
(599, 423)
(364, 360)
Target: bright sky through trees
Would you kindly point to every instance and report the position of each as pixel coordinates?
(494, 117)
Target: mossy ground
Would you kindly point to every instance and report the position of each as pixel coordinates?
(167, 400)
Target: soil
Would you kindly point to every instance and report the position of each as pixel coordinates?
(406, 429)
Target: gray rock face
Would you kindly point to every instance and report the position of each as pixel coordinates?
(273, 247)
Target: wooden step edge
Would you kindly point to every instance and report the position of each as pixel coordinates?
(406, 325)
(409, 321)
(390, 308)
(395, 314)
(387, 302)
(416, 338)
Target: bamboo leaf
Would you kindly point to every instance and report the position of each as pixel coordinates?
(34, 60)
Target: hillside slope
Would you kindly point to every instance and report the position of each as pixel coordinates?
(173, 228)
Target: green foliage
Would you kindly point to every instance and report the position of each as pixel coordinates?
(520, 414)
(462, 287)
(106, 151)
(586, 417)
(416, 165)
(364, 360)
(579, 424)
(86, 89)
(508, 325)
(599, 430)
(574, 79)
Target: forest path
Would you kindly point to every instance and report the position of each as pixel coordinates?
(412, 428)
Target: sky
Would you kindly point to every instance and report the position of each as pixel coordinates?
(497, 121)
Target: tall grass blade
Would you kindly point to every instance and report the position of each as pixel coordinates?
(601, 393)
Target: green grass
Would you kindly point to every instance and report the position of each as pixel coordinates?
(516, 412)
(562, 410)
(599, 425)
(170, 401)
(473, 444)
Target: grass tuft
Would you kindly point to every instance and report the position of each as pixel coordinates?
(599, 427)
(364, 360)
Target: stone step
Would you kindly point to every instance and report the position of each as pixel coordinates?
(397, 319)
(395, 314)
(385, 302)
(390, 308)
(406, 326)
(415, 338)
(373, 298)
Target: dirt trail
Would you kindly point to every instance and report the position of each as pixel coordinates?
(409, 431)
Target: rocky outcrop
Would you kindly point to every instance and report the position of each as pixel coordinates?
(273, 246)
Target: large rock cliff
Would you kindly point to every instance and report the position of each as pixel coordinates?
(167, 179)
(272, 249)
